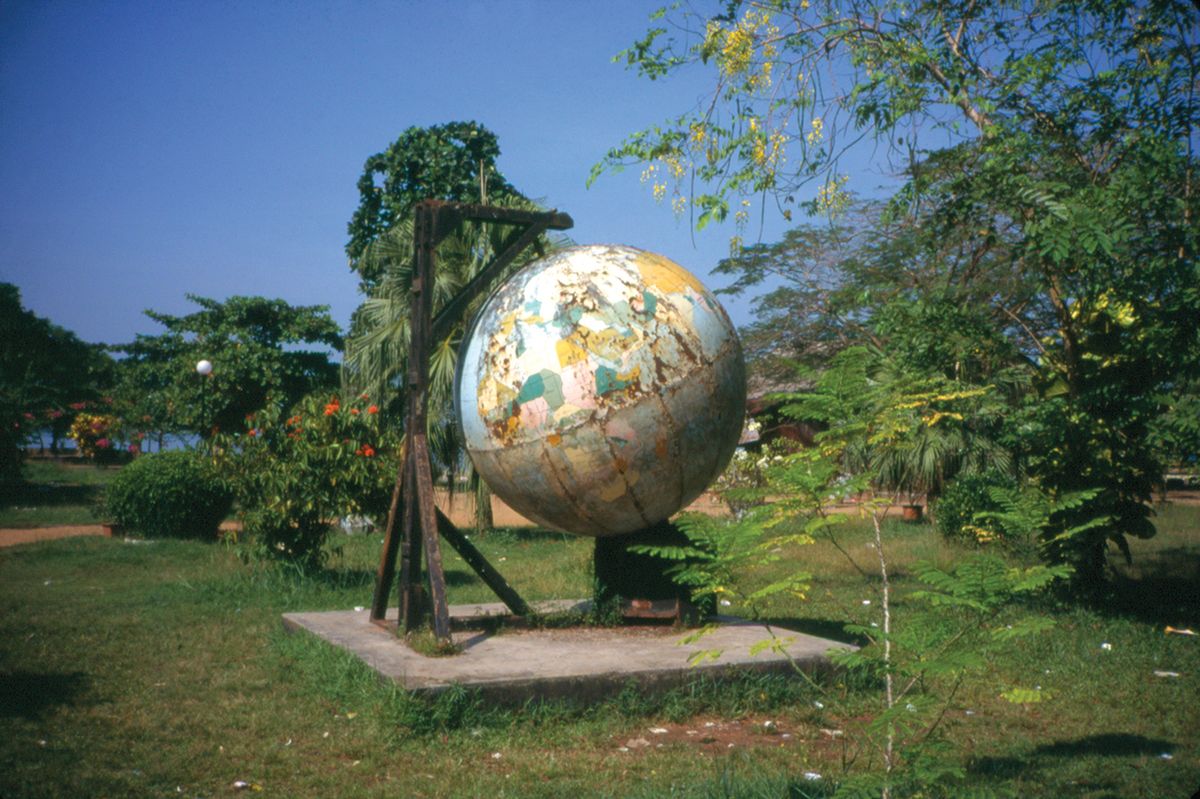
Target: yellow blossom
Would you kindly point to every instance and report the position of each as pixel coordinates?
(817, 133)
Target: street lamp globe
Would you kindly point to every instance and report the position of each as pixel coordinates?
(204, 367)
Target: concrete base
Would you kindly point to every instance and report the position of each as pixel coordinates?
(578, 663)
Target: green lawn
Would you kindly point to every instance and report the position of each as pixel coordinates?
(154, 669)
(56, 493)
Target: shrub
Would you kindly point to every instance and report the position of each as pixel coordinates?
(95, 436)
(954, 511)
(169, 495)
(296, 470)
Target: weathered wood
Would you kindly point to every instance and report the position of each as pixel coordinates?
(433, 552)
(475, 559)
(481, 281)
(411, 598)
(391, 544)
(412, 506)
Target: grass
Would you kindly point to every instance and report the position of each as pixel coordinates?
(150, 669)
(56, 493)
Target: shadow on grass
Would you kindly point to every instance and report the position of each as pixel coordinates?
(521, 535)
(29, 694)
(342, 578)
(39, 494)
(1109, 744)
(1163, 588)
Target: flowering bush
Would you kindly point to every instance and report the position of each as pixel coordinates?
(296, 471)
(95, 436)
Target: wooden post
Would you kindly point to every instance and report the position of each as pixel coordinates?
(412, 509)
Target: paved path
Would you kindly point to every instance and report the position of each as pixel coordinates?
(33, 535)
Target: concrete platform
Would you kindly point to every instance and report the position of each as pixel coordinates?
(580, 663)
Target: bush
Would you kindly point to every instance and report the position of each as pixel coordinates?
(954, 511)
(169, 495)
(295, 470)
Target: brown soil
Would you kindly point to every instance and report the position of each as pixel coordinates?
(714, 735)
(10, 538)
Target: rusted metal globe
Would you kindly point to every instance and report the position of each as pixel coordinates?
(600, 390)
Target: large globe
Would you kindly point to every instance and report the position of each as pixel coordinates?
(600, 390)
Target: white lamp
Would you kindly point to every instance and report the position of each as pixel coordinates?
(204, 368)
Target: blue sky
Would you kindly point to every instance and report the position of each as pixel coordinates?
(151, 149)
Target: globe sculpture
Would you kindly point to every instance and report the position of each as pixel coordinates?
(600, 390)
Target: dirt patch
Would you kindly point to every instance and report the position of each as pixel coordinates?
(34, 535)
(712, 735)
(9, 538)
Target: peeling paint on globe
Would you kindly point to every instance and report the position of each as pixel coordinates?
(600, 390)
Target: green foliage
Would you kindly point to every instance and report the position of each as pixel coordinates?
(966, 496)
(455, 161)
(719, 551)
(297, 469)
(1049, 250)
(875, 416)
(1176, 432)
(255, 346)
(174, 494)
(450, 162)
(46, 376)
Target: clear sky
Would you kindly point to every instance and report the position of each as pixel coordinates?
(152, 149)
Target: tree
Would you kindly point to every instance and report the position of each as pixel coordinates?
(454, 162)
(1064, 157)
(44, 371)
(253, 344)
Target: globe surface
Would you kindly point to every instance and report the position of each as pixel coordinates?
(600, 390)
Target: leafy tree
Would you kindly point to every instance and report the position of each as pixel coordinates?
(254, 346)
(455, 161)
(1065, 133)
(44, 371)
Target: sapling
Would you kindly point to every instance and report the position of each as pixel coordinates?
(921, 657)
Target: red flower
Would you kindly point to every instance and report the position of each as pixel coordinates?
(332, 408)
(366, 450)
(354, 411)
(102, 443)
(374, 409)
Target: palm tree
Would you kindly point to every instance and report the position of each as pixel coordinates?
(377, 349)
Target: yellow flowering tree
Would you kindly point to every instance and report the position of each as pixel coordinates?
(1044, 151)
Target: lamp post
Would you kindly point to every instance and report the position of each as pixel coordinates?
(204, 368)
